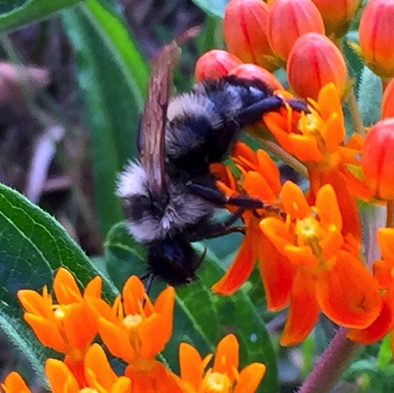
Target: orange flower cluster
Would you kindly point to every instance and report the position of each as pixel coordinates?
(309, 246)
(133, 330)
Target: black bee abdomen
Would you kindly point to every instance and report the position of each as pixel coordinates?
(173, 260)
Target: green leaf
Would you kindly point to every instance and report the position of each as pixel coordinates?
(212, 7)
(112, 77)
(200, 317)
(32, 247)
(369, 96)
(14, 16)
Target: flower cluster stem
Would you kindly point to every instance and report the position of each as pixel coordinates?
(355, 114)
(331, 364)
(390, 214)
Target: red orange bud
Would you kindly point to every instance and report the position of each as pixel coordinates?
(376, 36)
(245, 32)
(288, 20)
(336, 14)
(377, 159)
(215, 64)
(388, 101)
(313, 62)
(252, 71)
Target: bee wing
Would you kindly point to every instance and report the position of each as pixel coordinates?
(154, 117)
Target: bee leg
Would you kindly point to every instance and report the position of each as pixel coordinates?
(252, 114)
(149, 277)
(221, 228)
(217, 198)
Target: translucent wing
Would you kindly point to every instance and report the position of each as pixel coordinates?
(152, 136)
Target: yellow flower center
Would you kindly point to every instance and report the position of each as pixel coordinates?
(215, 382)
(311, 125)
(88, 390)
(131, 322)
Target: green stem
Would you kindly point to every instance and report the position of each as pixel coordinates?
(355, 115)
(331, 364)
(283, 155)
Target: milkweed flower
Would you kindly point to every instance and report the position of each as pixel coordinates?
(68, 326)
(245, 32)
(383, 273)
(317, 139)
(337, 15)
(14, 383)
(387, 107)
(324, 62)
(377, 159)
(253, 72)
(223, 376)
(288, 20)
(136, 330)
(259, 179)
(327, 277)
(99, 375)
(376, 37)
(215, 64)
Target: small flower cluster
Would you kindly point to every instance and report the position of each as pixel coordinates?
(134, 330)
(309, 244)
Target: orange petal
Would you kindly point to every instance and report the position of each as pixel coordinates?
(256, 186)
(277, 232)
(191, 365)
(93, 288)
(226, 356)
(329, 101)
(276, 123)
(300, 255)
(386, 240)
(269, 170)
(97, 368)
(13, 383)
(333, 132)
(116, 339)
(60, 378)
(380, 327)
(239, 270)
(133, 293)
(80, 326)
(383, 273)
(249, 378)
(122, 385)
(65, 287)
(156, 379)
(303, 311)
(294, 201)
(242, 150)
(46, 331)
(305, 147)
(331, 216)
(34, 303)
(276, 274)
(347, 293)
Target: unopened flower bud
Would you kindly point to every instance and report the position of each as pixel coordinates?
(336, 14)
(215, 64)
(288, 20)
(252, 71)
(387, 108)
(377, 159)
(314, 62)
(376, 36)
(245, 32)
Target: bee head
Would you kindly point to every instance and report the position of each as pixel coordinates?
(174, 261)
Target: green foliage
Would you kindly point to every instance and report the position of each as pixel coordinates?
(112, 77)
(22, 12)
(212, 7)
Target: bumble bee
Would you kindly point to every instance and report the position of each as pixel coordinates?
(169, 195)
